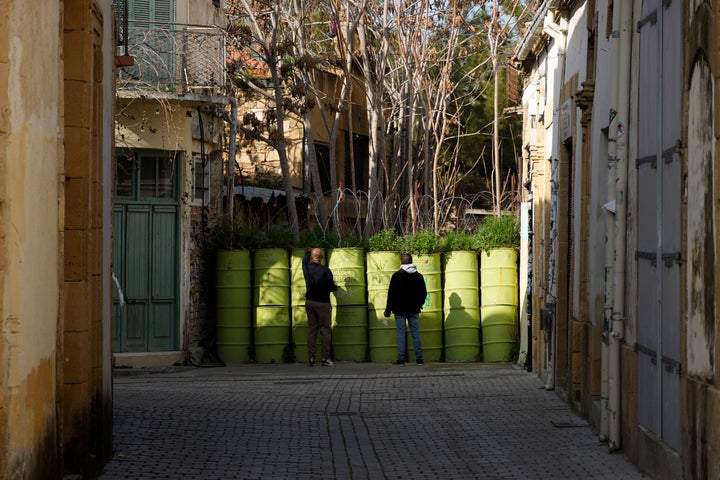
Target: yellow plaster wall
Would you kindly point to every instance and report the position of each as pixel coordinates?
(261, 162)
(31, 162)
(154, 125)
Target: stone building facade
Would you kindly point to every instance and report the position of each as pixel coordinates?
(619, 144)
(56, 104)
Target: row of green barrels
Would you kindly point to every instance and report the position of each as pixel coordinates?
(466, 317)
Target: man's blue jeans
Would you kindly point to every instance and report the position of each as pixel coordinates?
(414, 322)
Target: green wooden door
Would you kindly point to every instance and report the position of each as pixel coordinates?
(145, 260)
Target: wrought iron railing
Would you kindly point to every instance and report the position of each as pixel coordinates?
(174, 58)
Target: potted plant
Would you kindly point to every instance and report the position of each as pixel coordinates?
(347, 262)
(383, 259)
(498, 240)
(271, 268)
(233, 239)
(461, 301)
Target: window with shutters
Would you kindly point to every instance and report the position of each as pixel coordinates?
(201, 180)
(152, 41)
(159, 11)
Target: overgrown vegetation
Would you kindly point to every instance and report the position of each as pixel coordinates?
(232, 233)
(318, 237)
(498, 232)
(425, 242)
(278, 235)
(385, 241)
(456, 241)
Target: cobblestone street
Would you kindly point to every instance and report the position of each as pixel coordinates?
(352, 421)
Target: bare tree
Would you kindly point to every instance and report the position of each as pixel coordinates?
(504, 18)
(267, 49)
(422, 66)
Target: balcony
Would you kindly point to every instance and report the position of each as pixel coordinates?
(172, 59)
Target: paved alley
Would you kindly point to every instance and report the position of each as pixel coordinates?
(352, 421)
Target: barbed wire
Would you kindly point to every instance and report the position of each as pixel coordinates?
(409, 214)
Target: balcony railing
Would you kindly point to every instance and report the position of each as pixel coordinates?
(173, 58)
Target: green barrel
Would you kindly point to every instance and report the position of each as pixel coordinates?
(297, 279)
(272, 304)
(461, 302)
(272, 333)
(299, 322)
(234, 305)
(348, 268)
(431, 317)
(297, 302)
(382, 334)
(272, 277)
(499, 303)
(349, 330)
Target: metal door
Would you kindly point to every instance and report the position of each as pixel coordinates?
(659, 216)
(145, 252)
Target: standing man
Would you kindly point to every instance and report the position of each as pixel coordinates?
(319, 283)
(406, 297)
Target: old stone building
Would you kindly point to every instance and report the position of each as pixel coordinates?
(619, 145)
(56, 103)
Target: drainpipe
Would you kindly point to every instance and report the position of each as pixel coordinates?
(620, 130)
(610, 236)
(231, 156)
(559, 36)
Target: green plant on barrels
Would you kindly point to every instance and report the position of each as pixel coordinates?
(351, 241)
(498, 232)
(318, 237)
(233, 234)
(425, 242)
(457, 241)
(278, 235)
(385, 241)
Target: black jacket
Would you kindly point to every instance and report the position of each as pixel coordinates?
(319, 280)
(406, 294)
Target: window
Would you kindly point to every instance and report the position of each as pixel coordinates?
(156, 177)
(125, 175)
(357, 165)
(145, 175)
(201, 180)
(322, 155)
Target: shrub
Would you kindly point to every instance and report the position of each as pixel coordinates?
(232, 234)
(454, 241)
(385, 241)
(351, 241)
(318, 237)
(422, 243)
(498, 232)
(278, 235)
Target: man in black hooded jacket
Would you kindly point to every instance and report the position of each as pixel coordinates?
(406, 297)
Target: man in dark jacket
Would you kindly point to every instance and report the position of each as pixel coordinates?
(319, 283)
(406, 297)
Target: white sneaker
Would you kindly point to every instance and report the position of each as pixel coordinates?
(327, 362)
